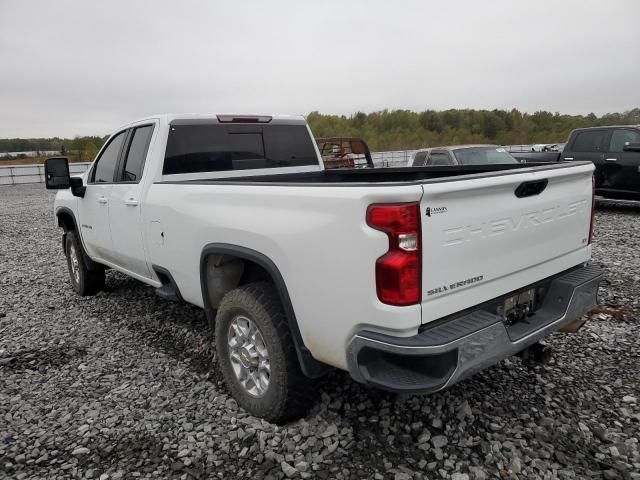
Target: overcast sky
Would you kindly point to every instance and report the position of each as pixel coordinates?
(79, 67)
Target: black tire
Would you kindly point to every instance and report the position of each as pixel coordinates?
(84, 281)
(286, 396)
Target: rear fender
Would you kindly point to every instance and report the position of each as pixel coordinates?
(310, 366)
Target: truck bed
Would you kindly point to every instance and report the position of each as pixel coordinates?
(393, 176)
(477, 234)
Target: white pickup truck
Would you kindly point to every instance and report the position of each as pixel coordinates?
(410, 279)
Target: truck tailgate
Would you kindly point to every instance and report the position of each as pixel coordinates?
(480, 240)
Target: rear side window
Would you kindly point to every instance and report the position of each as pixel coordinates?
(420, 159)
(105, 168)
(621, 137)
(134, 164)
(440, 158)
(222, 147)
(589, 141)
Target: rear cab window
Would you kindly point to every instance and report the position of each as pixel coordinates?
(439, 159)
(228, 147)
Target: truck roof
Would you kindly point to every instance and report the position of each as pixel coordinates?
(214, 118)
(606, 126)
(458, 147)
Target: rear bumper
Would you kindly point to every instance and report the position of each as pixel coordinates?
(457, 347)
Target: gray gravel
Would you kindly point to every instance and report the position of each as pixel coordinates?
(123, 385)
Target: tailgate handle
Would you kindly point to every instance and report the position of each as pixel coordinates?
(529, 189)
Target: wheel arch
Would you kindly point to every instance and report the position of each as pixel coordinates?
(67, 221)
(255, 266)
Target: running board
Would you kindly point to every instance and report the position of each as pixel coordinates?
(168, 292)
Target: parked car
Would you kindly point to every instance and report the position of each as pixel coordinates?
(462, 155)
(554, 147)
(408, 278)
(615, 152)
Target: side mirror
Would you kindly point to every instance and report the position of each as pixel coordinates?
(631, 147)
(77, 187)
(56, 173)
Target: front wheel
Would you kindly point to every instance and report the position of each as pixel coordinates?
(84, 281)
(256, 353)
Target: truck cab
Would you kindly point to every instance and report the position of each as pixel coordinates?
(615, 152)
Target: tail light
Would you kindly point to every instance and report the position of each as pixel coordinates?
(593, 206)
(399, 271)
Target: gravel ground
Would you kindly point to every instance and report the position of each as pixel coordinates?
(123, 385)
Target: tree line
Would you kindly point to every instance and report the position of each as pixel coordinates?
(405, 130)
(396, 129)
(81, 149)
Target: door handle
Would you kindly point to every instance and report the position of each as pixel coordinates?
(132, 202)
(102, 199)
(610, 159)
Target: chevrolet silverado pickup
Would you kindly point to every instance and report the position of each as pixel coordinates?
(615, 152)
(410, 279)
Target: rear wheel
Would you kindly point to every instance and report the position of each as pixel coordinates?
(248, 355)
(257, 355)
(84, 281)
